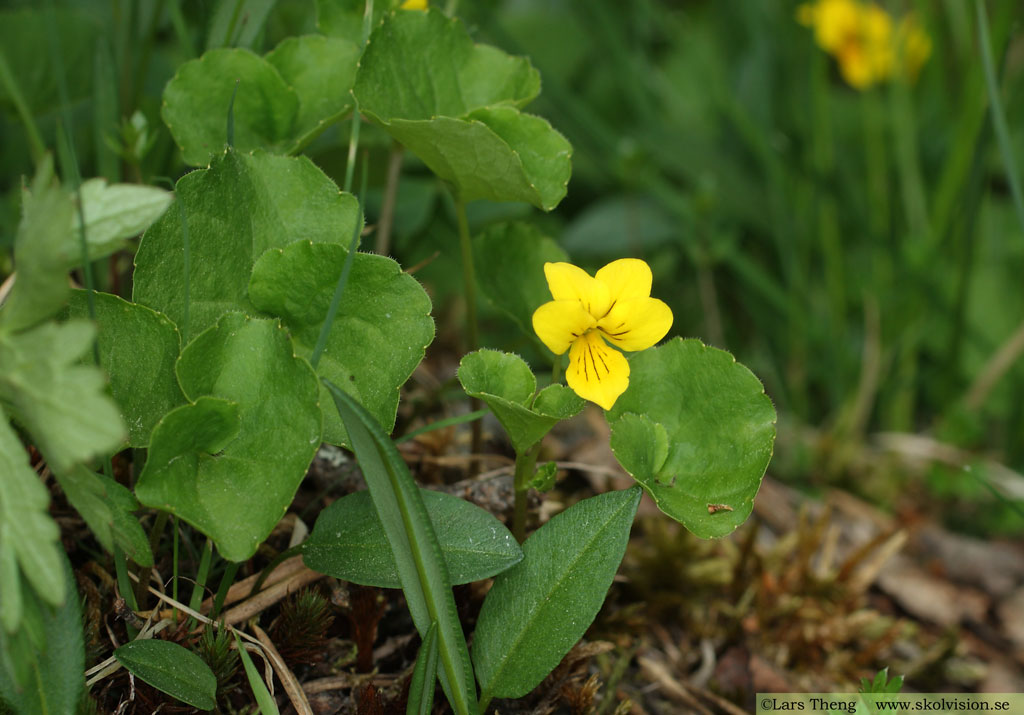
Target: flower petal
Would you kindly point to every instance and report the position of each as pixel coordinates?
(636, 324)
(597, 372)
(626, 278)
(559, 322)
(569, 282)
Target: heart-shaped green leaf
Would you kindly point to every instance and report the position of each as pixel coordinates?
(138, 349)
(506, 384)
(172, 669)
(197, 98)
(348, 541)
(378, 336)
(230, 462)
(282, 100)
(542, 606)
(696, 430)
(240, 207)
(509, 260)
(456, 105)
(321, 71)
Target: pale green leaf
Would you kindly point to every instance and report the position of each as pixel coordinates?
(115, 213)
(240, 207)
(704, 434)
(349, 543)
(541, 607)
(378, 337)
(60, 402)
(230, 464)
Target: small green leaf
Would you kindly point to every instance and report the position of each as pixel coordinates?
(196, 100)
(455, 104)
(60, 403)
(540, 608)
(230, 463)
(171, 669)
(115, 213)
(424, 676)
(321, 71)
(49, 660)
(106, 507)
(696, 430)
(543, 479)
(414, 545)
(509, 260)
(41, 252)
(240, 207)
(378, 336)
(138, 349)
(28, 536)
(506, 384)
(348, 541)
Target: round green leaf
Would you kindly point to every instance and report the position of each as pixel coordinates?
(456, 105)
(509, 259)
(348, 541)
(196, 102)
(321, 71)
(230, 463)
(378, 336)
(696, 430)
(138, 348)
(543, 605)
(506, 384)
(172, 669)
(240, 207)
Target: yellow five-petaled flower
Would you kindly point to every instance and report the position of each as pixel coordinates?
(614, 305)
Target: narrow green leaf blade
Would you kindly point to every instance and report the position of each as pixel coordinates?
(349, 543)
(268, 706)
(172, 669)
(703, 438)
(424, 675)
(540, 608)
(421, 566)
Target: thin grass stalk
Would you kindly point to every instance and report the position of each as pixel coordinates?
(13, 91)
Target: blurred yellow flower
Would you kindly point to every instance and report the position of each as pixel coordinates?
(861, 37)
(414, 5)
(614, 305)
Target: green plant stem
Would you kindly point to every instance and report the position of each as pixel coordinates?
(124, 586)
(13, 91)
(387, 209)
(196, 599)
(225, 583)
(469, 292)
(159, 524)
(556, 370)
(526, 463)
(174, 559)
(996, 105)
(274, 563)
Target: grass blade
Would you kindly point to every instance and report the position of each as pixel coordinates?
(268, 706)
(421, 566)
(424, 675)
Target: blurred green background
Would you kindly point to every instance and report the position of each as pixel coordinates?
(859, 250)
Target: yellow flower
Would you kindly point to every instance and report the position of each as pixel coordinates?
(862, 39)
(414, 5)
(615, 305)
